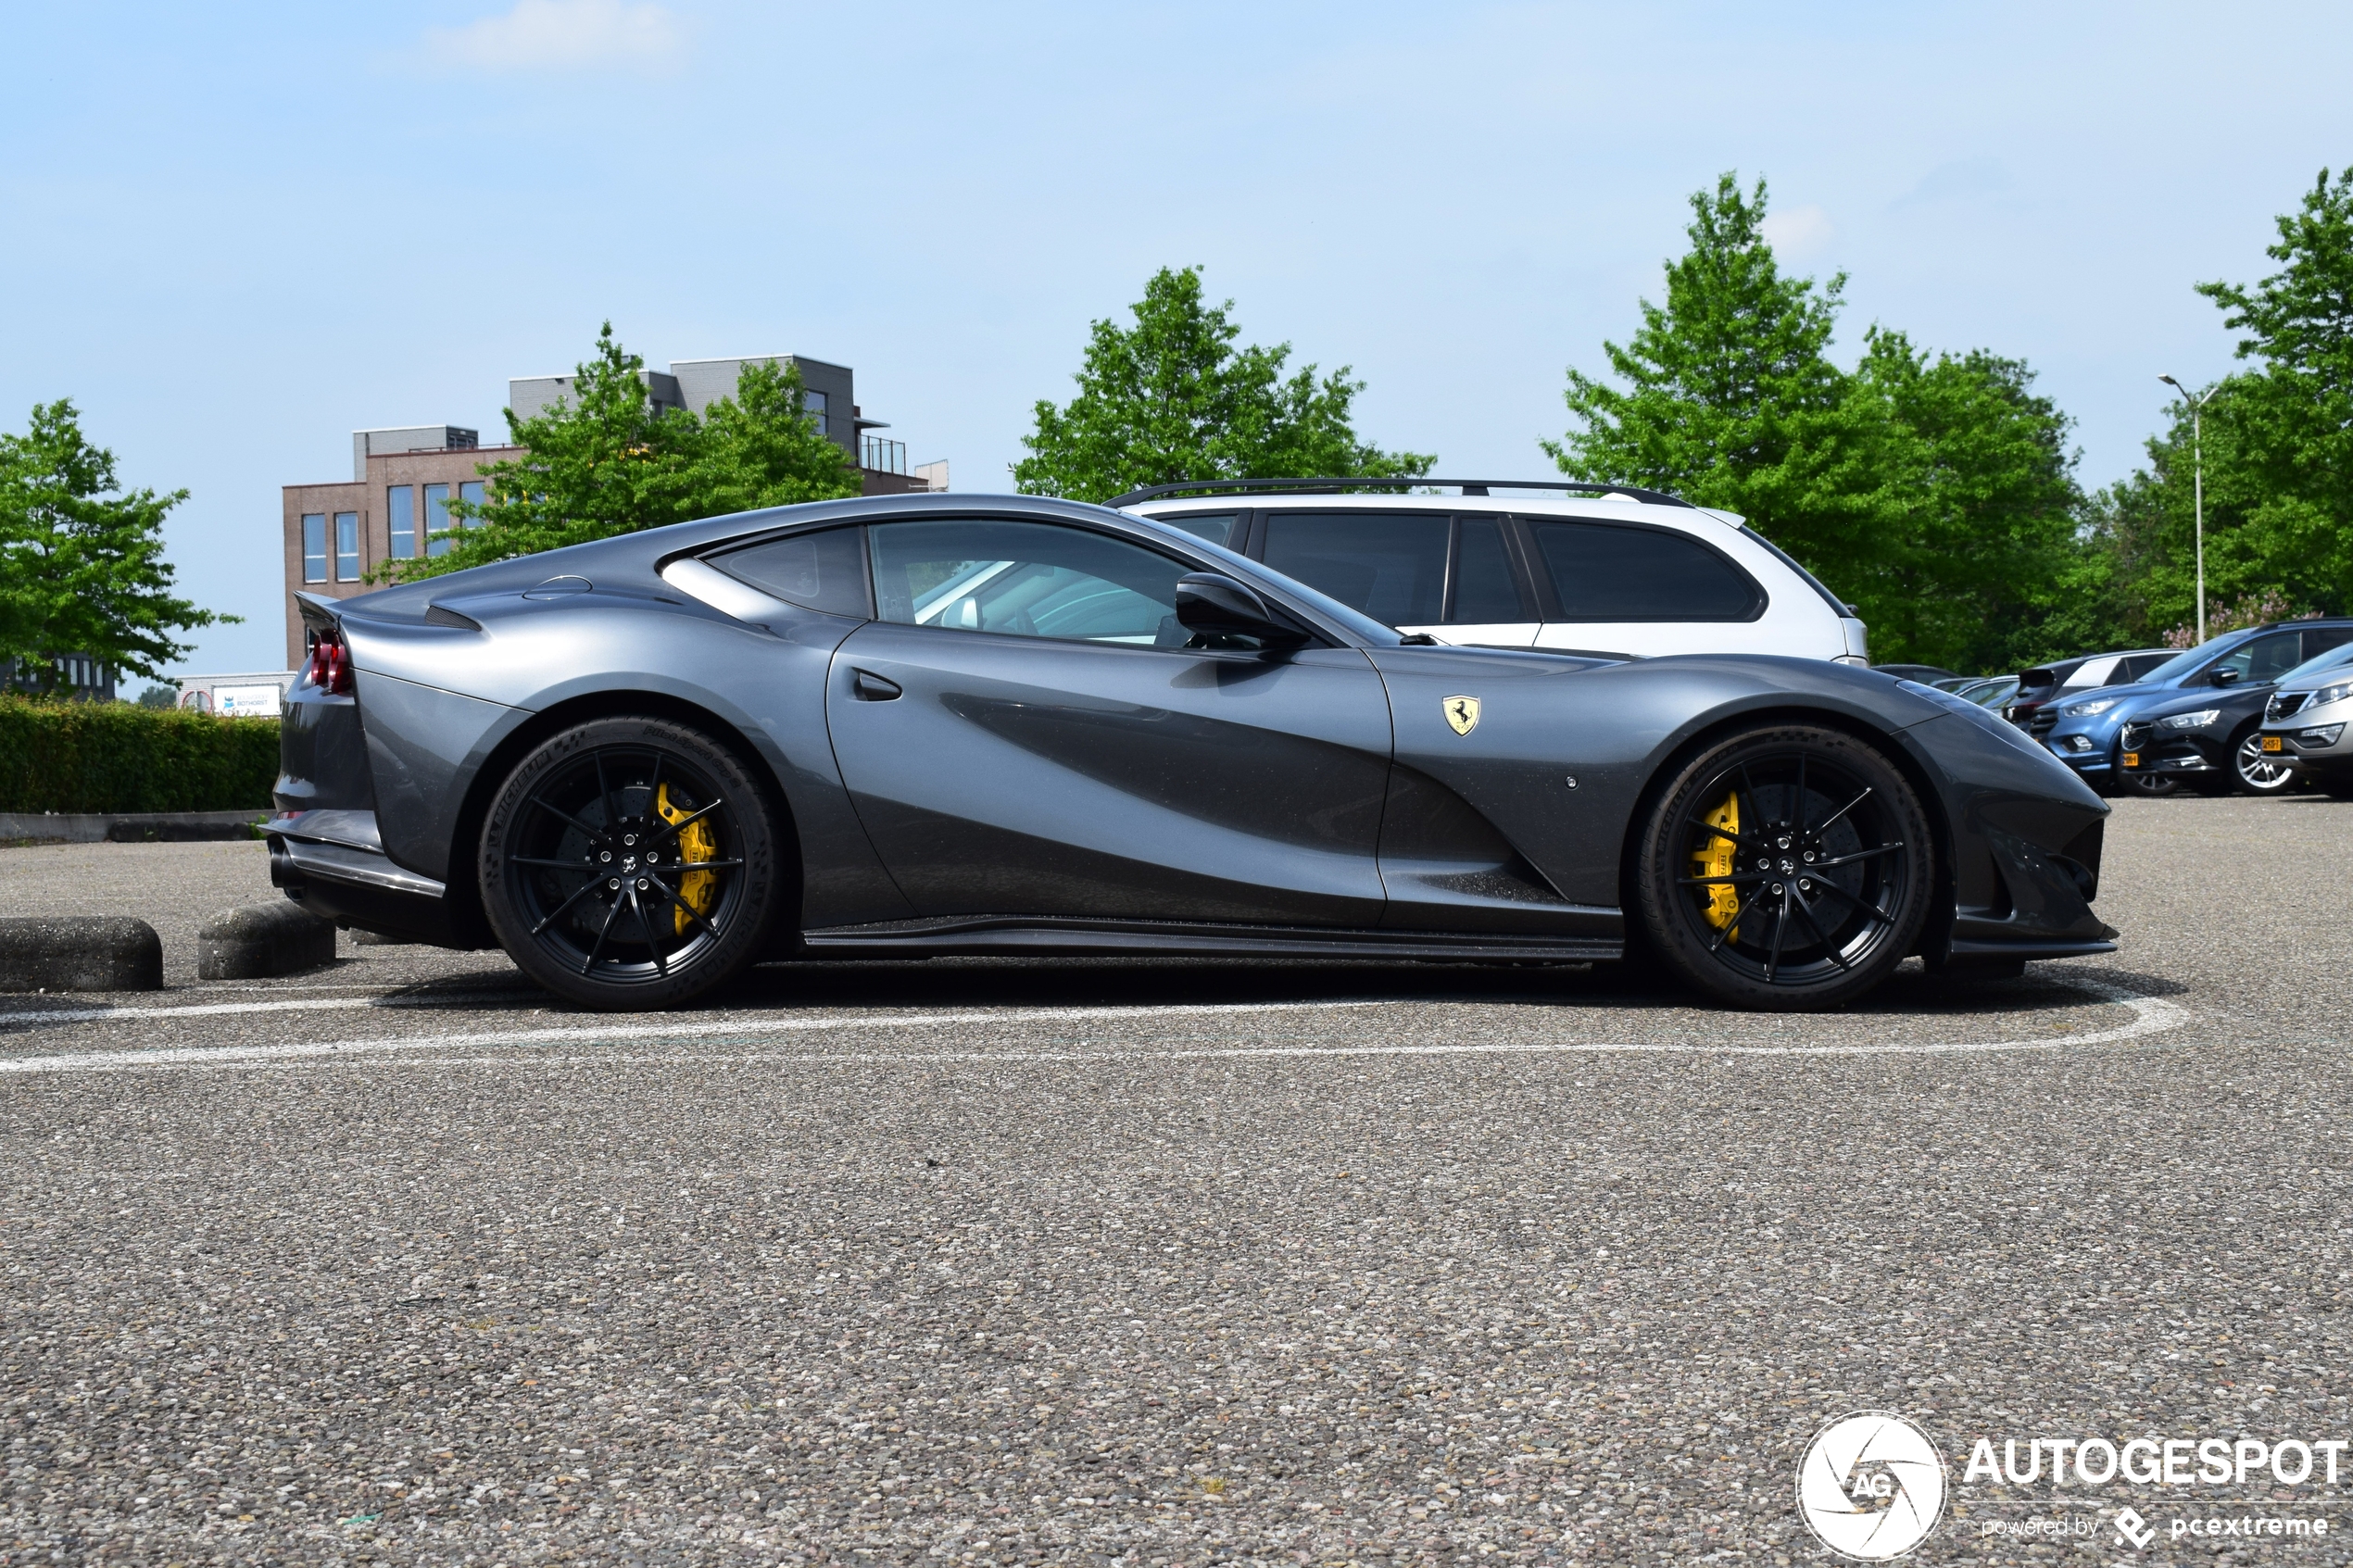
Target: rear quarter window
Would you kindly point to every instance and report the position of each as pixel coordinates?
(1610, 572)
(824, 570)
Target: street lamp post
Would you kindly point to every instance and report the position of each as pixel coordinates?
(2198, 484)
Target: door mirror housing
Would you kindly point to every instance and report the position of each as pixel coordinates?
(1216, 605)
(2224, 676)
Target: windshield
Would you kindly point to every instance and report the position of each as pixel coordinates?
(2340, 654)
(2183, 663)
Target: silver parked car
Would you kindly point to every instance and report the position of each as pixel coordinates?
(2306, 720)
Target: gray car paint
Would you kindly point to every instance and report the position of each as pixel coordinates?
(1026, 778)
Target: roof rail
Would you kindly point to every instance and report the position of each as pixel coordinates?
(1334, 486)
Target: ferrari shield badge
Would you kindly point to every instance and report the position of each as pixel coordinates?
(1462, 713)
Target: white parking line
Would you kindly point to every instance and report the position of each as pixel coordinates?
(308, 1004)
(2151, 1015)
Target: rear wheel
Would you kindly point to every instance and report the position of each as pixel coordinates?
(629, 863)
(1788, 868)
(2254, 771)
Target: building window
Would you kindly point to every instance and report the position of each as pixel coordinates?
(813, 405)
(314, 546)
(472, 493)
(436, 519)
(347, 547)
(400, 505)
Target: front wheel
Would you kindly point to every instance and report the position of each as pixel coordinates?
(2149, 786)
(1788, 868)
(2256, 772)
(629, 864)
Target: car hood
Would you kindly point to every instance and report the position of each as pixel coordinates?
(2128, 701)
(2242, 699)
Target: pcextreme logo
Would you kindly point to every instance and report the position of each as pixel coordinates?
(1871, 1486)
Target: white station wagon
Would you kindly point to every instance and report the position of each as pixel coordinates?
(1590, 568)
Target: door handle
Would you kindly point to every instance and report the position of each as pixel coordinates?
(867, 686)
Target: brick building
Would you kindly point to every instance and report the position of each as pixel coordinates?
(403, 480)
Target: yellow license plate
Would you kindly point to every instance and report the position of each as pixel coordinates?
(2132, 759)
(2270, 743)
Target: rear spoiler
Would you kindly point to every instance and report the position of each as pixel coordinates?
(318, 614)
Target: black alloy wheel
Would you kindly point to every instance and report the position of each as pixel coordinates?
(1789, 867)
(2149, 786)
(629, 863)
(2254, 771)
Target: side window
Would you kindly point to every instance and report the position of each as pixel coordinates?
(2263, 658)
(824, 570)
(1024, 580)
(2319, 639)
(1390, 566)
(1603, 571)
(1216, 527)
(1484, 591)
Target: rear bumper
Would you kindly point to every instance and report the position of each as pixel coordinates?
(332, 863)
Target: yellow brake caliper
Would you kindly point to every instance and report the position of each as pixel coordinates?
(697, 890)
(1715, 859)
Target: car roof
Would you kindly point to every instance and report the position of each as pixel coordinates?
(1682, 517)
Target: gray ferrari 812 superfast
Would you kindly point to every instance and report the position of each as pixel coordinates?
(948, 725)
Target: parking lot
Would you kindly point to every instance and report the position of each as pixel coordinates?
(1157, 1262)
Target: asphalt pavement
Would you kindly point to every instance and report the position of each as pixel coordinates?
(993, 1262)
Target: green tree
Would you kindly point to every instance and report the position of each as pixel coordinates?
(81, 567)
(606, 462)
(1172, 399)
(1975, 508)
(2285, 427)
(1934, 493)
(1726, 396)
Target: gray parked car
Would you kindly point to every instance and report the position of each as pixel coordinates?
(942, 725)
(2305, 723)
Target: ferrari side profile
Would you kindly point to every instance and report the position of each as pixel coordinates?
(940, 724)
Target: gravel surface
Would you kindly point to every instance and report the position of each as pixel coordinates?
(1161, 1262)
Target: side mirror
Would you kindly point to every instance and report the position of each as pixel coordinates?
(1216, 605)
(2224, 676)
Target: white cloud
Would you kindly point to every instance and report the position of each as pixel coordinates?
(560, 35)
(1796, 231)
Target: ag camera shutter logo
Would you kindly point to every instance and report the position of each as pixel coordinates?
(1871, 1487)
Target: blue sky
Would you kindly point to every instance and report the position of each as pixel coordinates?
(238, 232)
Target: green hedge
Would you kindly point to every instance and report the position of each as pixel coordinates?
(119, 757)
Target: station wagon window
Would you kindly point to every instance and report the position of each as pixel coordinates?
(1024, 580)
(1484, 591)
(824, 570)
(1389, 565)
(1216, 527)
(1604, 571)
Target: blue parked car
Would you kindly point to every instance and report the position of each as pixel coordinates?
(2085, 734)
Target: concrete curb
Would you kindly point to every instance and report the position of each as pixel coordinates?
(127, 827)
(256, 941)
(79, 953)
